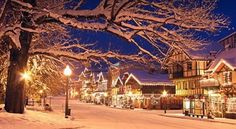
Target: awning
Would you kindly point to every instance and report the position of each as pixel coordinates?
(211, 82)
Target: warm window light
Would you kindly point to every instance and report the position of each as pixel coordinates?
(164, 93)
(76, 93)
(130, 93)
(210, 92)
(67, 71)
(105, 94)
(41, 91)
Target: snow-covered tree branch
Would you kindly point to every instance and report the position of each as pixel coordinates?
(176, 23)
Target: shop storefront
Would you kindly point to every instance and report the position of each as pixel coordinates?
(194, 107)
(216, 104)
(231, 108)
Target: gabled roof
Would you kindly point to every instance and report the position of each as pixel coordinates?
(227, 37)
(102, 76)
(118, 79)
(190, 54)
(221, 63)
(146, 78)
(197, 55)
(225, 57)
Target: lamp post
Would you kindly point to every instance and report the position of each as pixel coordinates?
(26, 77)
(164, 94)
(67, 73)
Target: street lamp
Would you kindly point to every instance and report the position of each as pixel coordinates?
(164, 94)
(25, 77)
(67, 73)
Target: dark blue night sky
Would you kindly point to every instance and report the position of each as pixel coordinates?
(225, 7)
(228, 8)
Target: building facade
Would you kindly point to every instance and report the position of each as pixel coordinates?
(144, 89)
(185, 70)
(220, 80)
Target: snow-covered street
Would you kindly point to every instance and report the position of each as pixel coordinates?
(90, 116)
(101, 117)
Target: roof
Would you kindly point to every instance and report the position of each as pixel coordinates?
(227, 57)
(198, 55)
(202, 54)
(146, 78)
(118, 79)
(220, 41)
(101, 75)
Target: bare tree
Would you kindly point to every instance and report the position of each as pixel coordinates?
(25, 24)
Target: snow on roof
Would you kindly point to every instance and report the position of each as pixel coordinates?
(146, 78)
(228, 57)
(198, 55)
(101, 75)
(118, 79)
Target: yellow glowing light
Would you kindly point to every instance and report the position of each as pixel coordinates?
(41, 91)
(67, 71)
(76, 93)
(164, 93)
(105, 94)
(26, 76)
(130, 93)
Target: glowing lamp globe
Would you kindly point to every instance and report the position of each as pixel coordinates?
(26, 76)
(67, 71)
(164, 93)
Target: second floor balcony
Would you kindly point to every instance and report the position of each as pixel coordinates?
(176, 75)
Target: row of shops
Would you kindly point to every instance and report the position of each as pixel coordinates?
(215, 104)
(147, 102)
(144, 90)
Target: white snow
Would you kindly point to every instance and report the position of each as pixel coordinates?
(35, 120)
(90, 116)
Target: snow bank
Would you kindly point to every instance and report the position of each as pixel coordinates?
(36, 120)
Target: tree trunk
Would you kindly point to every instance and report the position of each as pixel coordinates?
(15, 94)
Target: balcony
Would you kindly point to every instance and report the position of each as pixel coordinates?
(176, 75)
(227, 85)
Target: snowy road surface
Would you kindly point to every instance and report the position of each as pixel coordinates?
(92, 116)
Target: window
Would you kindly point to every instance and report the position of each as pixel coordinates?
(189, 66)
(185, 83)
(191, 84)
(227, 76)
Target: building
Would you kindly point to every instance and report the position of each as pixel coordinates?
(144, 89)
(101, 82)
(100, 91)
(88, 84)
(118, 93)
(220, 80)
(186, 69)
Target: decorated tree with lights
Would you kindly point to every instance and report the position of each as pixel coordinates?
(39, 27)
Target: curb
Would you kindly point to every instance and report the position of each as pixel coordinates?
(199, 119)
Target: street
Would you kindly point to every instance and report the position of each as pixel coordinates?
(102, 117)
